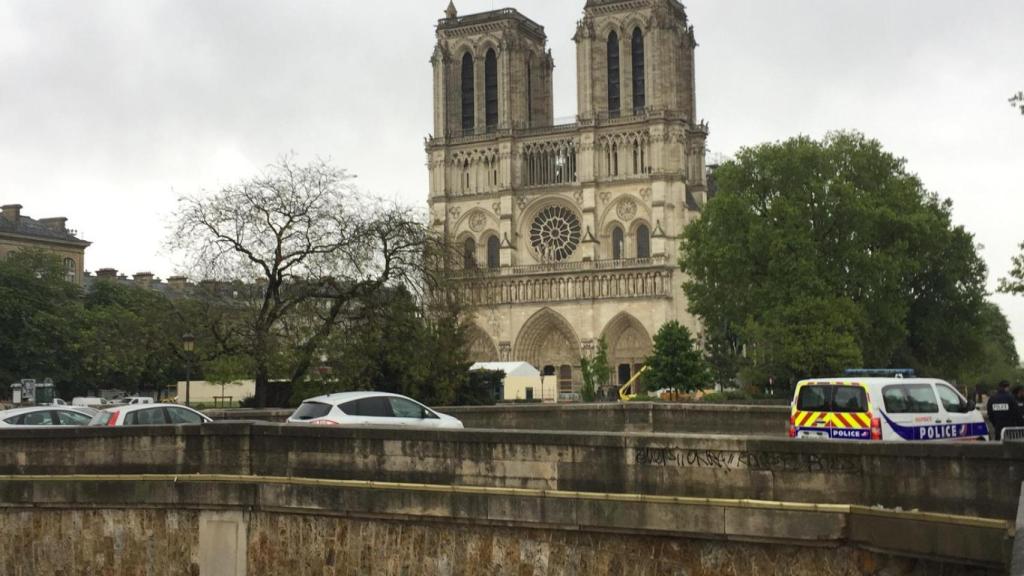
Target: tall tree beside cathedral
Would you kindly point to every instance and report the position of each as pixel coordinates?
(1014, 282)
(815, 256)
(311, 251)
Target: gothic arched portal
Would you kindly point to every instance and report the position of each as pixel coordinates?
(547, 339)
(629, 345)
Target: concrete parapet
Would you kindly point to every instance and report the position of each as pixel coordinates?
(639, 417)
(951, 478)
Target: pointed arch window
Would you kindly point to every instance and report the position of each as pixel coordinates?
(491, 88)
(469, 254)
(639, 88)
(618, 239)
(614, 93)
(493, 253)
(643, 241)
(468, 115)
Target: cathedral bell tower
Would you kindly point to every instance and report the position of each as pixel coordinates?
(492, 72)
(635, 56)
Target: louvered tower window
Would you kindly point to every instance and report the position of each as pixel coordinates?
(639, 95)
(614, 95)
(491, 88)
(468, 119)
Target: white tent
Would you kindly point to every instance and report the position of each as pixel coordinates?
(522, 381)
(509, 368)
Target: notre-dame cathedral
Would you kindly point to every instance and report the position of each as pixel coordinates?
(571, 231)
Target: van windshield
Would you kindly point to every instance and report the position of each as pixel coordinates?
(831, 398)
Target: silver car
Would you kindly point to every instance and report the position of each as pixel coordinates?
(370, 409)
(149, 415)
(46, 416)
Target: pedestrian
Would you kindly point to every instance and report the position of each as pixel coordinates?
(1018, 393)
(1003, 411)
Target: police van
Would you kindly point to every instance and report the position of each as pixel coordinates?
(889, 405)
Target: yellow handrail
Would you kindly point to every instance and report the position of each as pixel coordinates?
(628, 390)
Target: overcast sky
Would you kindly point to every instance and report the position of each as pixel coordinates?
(110, 109)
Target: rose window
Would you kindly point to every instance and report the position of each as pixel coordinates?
(555, 234)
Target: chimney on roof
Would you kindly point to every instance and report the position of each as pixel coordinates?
(12, 212)
(55, 224)
(106, 273)
(143, 279)
(177, 283)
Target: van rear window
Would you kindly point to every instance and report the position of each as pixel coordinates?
(827, 398)
(311, 411)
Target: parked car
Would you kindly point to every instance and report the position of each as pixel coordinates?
(134, 400)
(369, 409)
(148, 415)
(89, 401)
(46, 416)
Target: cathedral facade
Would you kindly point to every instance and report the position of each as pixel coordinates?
(568, 232)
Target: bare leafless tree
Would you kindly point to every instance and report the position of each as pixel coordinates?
(295, 251)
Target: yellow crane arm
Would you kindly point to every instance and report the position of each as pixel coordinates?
(627, 391)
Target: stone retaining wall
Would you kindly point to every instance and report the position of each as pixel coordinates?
(234, 526)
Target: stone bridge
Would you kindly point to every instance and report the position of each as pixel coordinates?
(248, 498)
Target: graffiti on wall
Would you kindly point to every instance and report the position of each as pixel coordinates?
(730, 460)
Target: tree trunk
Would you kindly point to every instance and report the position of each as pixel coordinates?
(262, 382)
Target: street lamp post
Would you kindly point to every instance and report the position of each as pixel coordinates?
(323, 371)
(188, 344)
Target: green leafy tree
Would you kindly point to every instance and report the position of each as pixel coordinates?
(1014, 282)
(596, 372)
(998, 359)
(481, 388)
(815, 256)
(675, 363)
(227, 372)
(40, 317)
(409, 345)
(130, 339)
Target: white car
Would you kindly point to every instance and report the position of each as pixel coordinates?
(89, 401)
(370, 409)
(46, 416)
(133, 400)
(149, 415)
